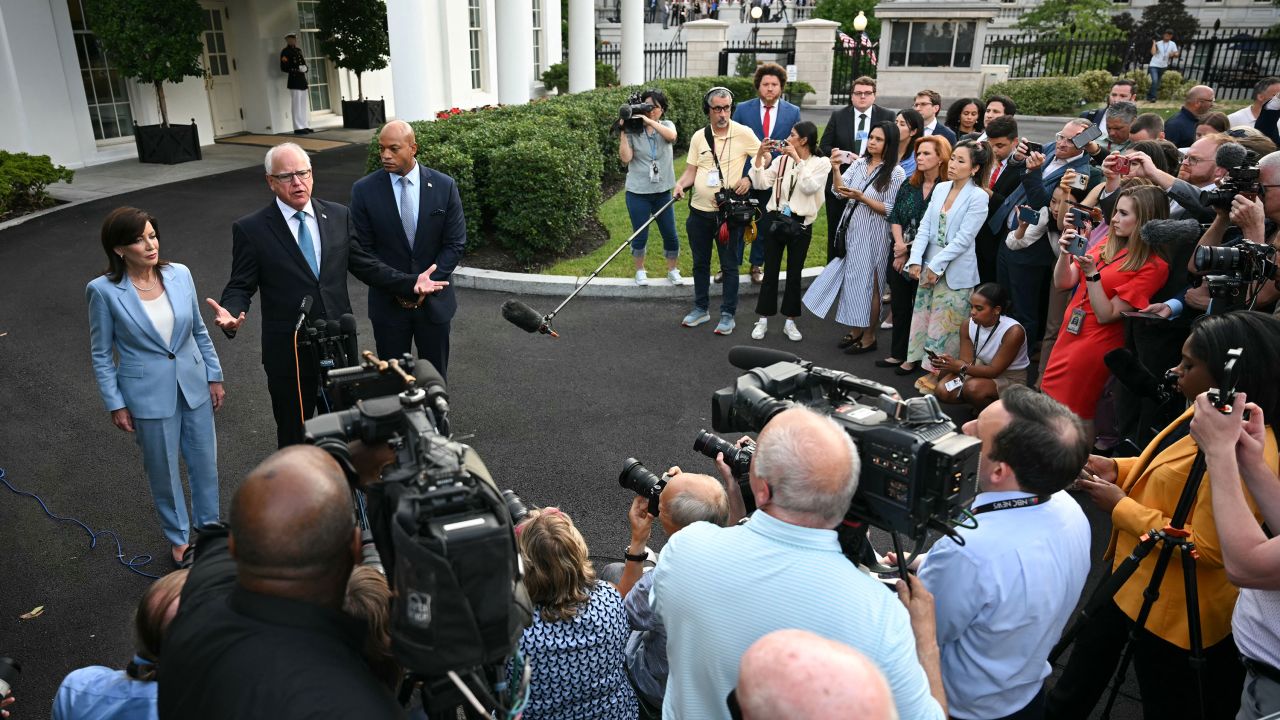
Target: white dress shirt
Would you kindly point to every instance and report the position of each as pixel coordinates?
(1003, 598)
(859, 142)
(312, 225)
(931, 126)
(773, 116)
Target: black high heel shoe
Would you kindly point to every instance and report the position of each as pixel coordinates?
(859, 349)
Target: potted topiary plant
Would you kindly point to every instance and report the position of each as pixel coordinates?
(154, 42)
(353, 34)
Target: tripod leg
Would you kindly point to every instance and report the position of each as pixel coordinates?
(1193, 622)
(1149, 597)
(1106, 590)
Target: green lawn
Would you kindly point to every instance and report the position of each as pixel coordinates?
(613, 215)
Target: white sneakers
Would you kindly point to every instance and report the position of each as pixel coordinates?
(675, 278)
(642, 277)
(788, 328)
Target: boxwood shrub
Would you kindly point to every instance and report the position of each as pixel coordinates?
(24, 179)
(1042, 96)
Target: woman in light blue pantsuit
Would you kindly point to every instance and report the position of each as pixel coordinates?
(168, 380)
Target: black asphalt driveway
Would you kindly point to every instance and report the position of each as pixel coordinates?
(553, 418)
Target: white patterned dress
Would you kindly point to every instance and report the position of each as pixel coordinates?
(859, 276)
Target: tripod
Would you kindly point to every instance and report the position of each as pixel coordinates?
(1170, 536)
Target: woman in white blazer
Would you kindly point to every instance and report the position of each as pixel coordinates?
(168, 380)
(943, 259)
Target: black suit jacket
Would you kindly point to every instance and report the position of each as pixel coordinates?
(291, 59)
(440, 238)
(990, 239)
(265, 258)
(841, 130)
(1095, 116)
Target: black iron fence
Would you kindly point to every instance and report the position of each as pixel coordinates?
(849, 61)
(1230, 60)
(661, 60)
(748, 53)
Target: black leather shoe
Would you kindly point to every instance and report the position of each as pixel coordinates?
(906, 371)
(859, 349)
(847, 341)
(887, 363)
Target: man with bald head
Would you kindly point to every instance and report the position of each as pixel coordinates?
(1181, 128)
(260, 631)
(410, 216)
(688, 498)
(718, 590)
(299, 246)
(797, 675)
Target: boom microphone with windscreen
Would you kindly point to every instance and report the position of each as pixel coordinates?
(333, 339)
(748, 357)
(1171, 233)
(350, 343)
(1131, 373)
(526, 318)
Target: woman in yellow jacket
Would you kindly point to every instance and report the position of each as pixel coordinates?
(1141, 494)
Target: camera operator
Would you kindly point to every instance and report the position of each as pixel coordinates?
(1140, 494)
(1234, 448)
(718, 590)
(687, 498)
(260, 631)
(650, 177)
(717, 160)
(1004, 595)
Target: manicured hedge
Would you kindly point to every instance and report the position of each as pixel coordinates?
(23, 179)
(1042, 96)
(530, 175)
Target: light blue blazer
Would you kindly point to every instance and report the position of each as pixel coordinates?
(150, 373)
(958, 260)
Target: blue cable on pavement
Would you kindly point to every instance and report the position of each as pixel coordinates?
(133, 564)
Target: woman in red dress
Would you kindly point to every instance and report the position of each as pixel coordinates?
(1114, 276)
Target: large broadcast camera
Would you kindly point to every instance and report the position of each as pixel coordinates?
(1232, 269)
(631, 114)
(918, 473)
(443, 530)
(738, 211)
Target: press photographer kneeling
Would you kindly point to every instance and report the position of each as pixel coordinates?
(1141, 494)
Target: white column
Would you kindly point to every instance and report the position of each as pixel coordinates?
(553, 43)
(582, 46)
(632, 42)
(415, 80)
(515, 50)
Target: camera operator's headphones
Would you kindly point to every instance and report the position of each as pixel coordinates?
(706, 99)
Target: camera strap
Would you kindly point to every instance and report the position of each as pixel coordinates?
(1011, 504)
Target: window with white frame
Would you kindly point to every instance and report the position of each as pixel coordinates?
(932, 44)
(317, 63)
(104, 88)
(537, 39)
(475, 31)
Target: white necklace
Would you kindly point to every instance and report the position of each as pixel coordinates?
(148, 288)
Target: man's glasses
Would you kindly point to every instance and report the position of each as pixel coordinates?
(864, 93)
(720, 108)
(288, 177)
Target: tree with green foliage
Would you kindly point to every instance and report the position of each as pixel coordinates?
(151, 41)
(1165, 15)
(353, 34)
(844, 11)
(1072, 19)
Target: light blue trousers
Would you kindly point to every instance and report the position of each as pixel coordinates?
(191, 431)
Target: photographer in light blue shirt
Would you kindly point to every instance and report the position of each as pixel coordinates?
(1003, 598)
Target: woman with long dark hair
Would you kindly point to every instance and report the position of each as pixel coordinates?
(798, 179)
(944, 258)
(964, 117)
(168, 381)
(993, 352)
(870, 185)
(933, 155)
(1142, 493)
(910, 129)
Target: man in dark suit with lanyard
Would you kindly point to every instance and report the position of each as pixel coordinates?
(298, 246)
(295, 65)
(410, 217)
(847, 130)
(1007, 170)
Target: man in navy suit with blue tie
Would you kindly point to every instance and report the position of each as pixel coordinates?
(410, 217)
(298, 246)
(770, 118)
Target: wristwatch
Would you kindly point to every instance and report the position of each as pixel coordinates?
(1094, 277)
(634, 558)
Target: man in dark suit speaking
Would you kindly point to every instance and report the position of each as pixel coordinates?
(295, 247)
(410, 216)
(847, 130)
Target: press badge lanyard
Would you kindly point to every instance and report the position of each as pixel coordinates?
(1011, 504)
(654, 174)
(711, 144)
(785, 205)
(978, 336)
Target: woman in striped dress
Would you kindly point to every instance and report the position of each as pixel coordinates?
(858, 278)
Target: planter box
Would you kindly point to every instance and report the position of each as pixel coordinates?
(363, 114)
(167, 145)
